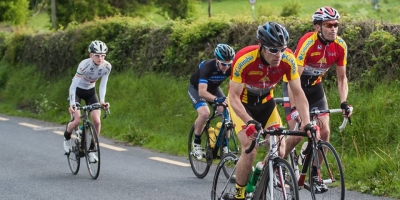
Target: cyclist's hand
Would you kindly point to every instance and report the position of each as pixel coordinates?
(105, 106)
(72, 109)
(252, 128)
(294, 115)
(347, 109)
(311, 128)
(219, 99)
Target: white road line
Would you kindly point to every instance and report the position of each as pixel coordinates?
(170, 161)
(101, 144)
(3, 119)
(29, 125)
(112, 147)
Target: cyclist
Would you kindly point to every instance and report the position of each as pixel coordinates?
(204, 87)
(256, 71)
(83, 87)
(316, 52)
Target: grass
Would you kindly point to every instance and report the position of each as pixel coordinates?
(154, 111)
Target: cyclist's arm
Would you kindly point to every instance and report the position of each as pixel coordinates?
(203, 93)
(235, 90)
(103, 88)
(300, 100)
(342, 82)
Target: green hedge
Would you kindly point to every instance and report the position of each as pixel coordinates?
(178, 46)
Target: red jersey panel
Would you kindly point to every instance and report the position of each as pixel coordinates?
(317, 57)
(260, 79)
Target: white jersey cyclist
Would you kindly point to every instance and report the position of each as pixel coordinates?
(87, 75)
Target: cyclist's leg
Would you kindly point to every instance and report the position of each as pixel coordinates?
(92, 98)
(202, 109)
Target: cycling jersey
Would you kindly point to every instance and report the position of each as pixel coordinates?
(86, 76)
(317, 56)
(208, 73)
(258, 76)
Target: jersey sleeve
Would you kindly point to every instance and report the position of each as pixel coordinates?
(203, 73)
(103, 83)
(289, 59)
(75, 82)
(342, 60)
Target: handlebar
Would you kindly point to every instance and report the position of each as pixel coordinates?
(279, 131)
(90, 108)
(314, 112)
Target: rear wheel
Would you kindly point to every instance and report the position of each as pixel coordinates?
(92, 150)
(332, 185)
(201, 161)
(224, 186)
(73, 156)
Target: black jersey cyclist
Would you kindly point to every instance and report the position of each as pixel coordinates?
(83, 87)
(205, 87)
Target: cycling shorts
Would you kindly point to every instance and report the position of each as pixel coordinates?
(89, 96)
(197, 101)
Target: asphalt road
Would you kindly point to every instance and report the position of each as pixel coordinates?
(33, 166)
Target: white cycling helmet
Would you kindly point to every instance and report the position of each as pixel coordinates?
(98, 46)
(324, 14)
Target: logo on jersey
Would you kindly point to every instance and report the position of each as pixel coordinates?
(315, 53)
(319, 47)
(322, 60)
(260, 66)
(241, 64)
(304, 49)
(255, 73)
(331, 54)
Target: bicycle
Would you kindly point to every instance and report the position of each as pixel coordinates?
(330, 168)
(276, 179)
(84, 142)
(225, 141)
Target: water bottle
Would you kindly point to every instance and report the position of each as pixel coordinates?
(301, 156)
(254, 177)
(211, 134)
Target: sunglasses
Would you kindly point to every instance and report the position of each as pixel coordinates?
(99, 55)
(225, 64)
(328, 25)
(274, 51)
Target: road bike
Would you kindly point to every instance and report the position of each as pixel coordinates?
(321, 161)
(276, 180)
(85, 141)
(225, 141)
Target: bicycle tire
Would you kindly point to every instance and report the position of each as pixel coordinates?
(223, 186)
(330, 165)
(200, 167)
(92, 146)
(231, 146)
(294, 163)
(289, 190)
(74, 158)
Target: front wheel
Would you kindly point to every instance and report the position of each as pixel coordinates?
(201, 159)
(74, 158)
(284, 182)
(92, 150)
(332, 184)
(224, 186)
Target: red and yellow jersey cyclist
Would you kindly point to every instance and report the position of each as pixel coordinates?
(316, 53)
(256, 71)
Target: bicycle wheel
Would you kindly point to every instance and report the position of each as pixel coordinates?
(92, 147)
(332, 185)
(74, 158)
(200, 166)
(223, 187)
(284, 182)
(230, 144)
(293, 161)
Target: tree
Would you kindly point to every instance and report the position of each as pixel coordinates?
(14, 11)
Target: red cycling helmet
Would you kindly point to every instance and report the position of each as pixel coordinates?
(324, 14)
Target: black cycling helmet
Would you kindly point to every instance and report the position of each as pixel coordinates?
(97, 46)
(272, 34)
(224, 52)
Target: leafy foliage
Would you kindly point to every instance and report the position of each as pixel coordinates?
(14, 11)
